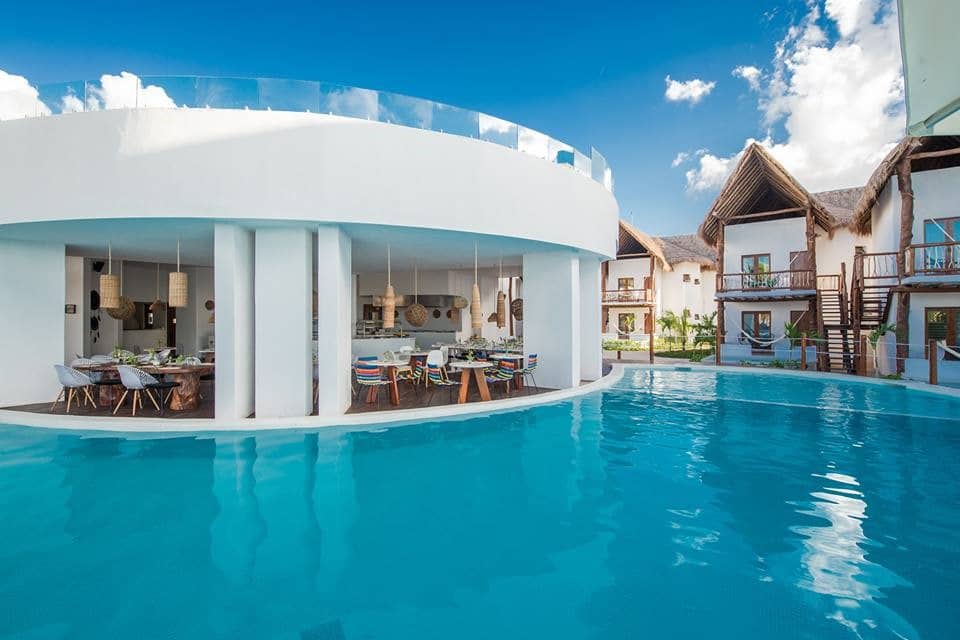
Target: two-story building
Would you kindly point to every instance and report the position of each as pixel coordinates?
(654, 275)
(782, 256)
(908, 272)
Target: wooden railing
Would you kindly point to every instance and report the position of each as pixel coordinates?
(877, 266)
(829, 282)
(627, 296)
(933, 259)
(766, 281)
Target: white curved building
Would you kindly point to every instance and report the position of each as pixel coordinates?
(283, 210)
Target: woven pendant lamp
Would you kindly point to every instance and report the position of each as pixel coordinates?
(157, 303)
(179, 285)
(110, 285)
(125, 308)
(476, 317)
(416, 314)
(389, 299)
(501, 300)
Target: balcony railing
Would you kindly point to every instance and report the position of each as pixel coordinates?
(129, 91)
(933, 259)
(627, 296)
(796, 279)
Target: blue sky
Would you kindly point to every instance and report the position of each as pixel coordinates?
(587, 73)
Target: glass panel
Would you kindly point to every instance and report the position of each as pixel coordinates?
(598, 166)
(581, 163)
(62, 97)
(933, 231)
(764, 326)
(534, 143)
(288, 95)
(352, 102)
(560, 152)
(455, 120)
(406, 111)
(498, 131)
(113, 92)
(227, 93)
(161, 90)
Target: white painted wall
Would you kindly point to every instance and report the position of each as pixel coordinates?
(33, 288)
(636, 268)
(696, 295)
(885, 220)
(936, 194)
(235, 164)
(74, 325)
(836, 250)
(234, 271)
(551, 316)
(334, 331)
(779, 315)
(283, 322)
(776, 237)
(591, 352)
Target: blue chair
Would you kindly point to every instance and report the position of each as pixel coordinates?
(72, 382)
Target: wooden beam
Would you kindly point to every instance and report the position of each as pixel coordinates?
(765, 214)
(935, 154)
(905, 186)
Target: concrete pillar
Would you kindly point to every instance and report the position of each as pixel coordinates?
(335, 295)
(33, 290)
(233, 285)
(283, 312)
(591, 342)
(551, 316)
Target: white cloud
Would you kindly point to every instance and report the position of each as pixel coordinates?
(749, 73)
(692, 91)
(18, 99)
(839, 102)
(125, 91)
(680, 158)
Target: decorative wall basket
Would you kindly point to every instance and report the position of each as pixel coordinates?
(460, 302)
(501, 314)
(437, 313)
(492, 317)
(416, 314)
(124, 311)
(454, 315)
(516, 308)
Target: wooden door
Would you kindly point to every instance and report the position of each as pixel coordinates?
(801, 276)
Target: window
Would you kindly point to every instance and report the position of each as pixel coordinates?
(941, 258)
(686, 277)
(627, 323)
(696, 281)
(626, 290)
(755, 265)
(942, 324)
(756, 324)
(624, 283)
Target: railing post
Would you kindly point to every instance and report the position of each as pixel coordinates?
(862, 364)
(932, 357)
(716, 346)
(803, 353)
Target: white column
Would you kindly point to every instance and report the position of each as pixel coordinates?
(33, 289)
(335, 295)
(591, 351)
(233, 287)
(283, 312)
(551, 316)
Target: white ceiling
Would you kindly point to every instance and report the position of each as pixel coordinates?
(155, 240)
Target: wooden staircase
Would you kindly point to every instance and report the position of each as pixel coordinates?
(835, 328)
(874, 277)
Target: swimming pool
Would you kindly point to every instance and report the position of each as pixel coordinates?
(673, 505)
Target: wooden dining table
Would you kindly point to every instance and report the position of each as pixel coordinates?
(184, 397)
(466, 366)
(391, 367)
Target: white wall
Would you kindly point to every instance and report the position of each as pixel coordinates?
(283, 322)
(234, 260)
(236, 164)
(551, 316)
(33, 289)
(75, 324)
(885, 220)
(837, 250)
(591, 353)
(695, 295)
(636, 268)
(936, 194)
(776, 237)
(334, 331)
(779, 315)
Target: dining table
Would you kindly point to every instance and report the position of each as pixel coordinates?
(184, 397)
(391, 367)
(478, 368)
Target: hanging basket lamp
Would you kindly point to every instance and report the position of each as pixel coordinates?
(389, 299)
(125, 308)
(179, 285)
(158, 304)
(501, 300)
(416, 314)
(109, 284)
(476, 316)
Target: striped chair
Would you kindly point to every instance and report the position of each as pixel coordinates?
(504, 374)
(436, 379)
(528, 371)
(369, 377)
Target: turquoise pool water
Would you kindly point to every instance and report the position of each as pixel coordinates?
(674, 505)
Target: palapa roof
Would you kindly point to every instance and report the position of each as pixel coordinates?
(760, 184)
(840, 203)
(688, 248)
(911, 145)
(633, 242)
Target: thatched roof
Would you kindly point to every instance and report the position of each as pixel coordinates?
(840, 203)
(688, 248)
(860, 221)
(633, 242)
(757, 185)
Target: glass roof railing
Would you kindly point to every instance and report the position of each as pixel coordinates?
(129, 91)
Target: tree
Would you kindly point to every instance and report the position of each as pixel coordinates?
(683, 327)
(668, 323)
(705, 331)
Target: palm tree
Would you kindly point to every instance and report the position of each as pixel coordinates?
(705, 330)
(668, 322)
(683, 326)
